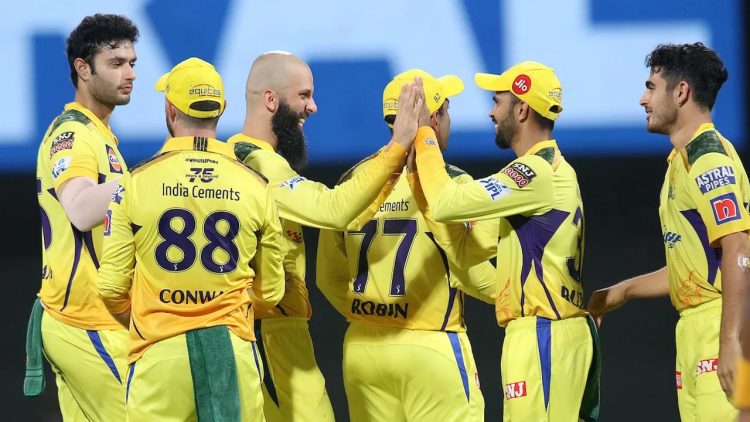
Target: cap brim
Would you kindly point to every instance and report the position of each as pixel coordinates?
(492, 82)
(452, 85)
(161, 84)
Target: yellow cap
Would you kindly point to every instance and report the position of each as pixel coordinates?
(436, 90)
(192, 81)
(532, 82)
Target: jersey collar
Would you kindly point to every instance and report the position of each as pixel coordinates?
(183, 143)
(550, 143)
(105, 129)
(705, 127)
(241, 137)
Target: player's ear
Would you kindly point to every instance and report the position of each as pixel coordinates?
(270, 100)
(522, 112)
(83, 69)
(681, 93)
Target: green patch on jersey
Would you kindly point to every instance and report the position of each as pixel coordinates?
(547, 153)
(454, 171)
(139, 166)
(348, 174)
(69, 116)
(705, 143)
(243, 149)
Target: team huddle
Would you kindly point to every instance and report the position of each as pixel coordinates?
(175, 289)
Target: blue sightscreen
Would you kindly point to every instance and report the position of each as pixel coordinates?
(596, 46)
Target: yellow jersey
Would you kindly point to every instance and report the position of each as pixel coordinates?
(540, 249)
(309, 203)
(188, 234)
(394, 272)
(704, 197)
(76, 144)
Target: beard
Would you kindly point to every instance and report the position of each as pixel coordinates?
(290, 140)
(505, 132)
(662, 122)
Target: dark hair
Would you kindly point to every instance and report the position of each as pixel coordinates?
(95, 33)
(695, 64)
(540, 120)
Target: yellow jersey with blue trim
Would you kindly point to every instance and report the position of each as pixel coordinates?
(394, 272)
(76, 144)
(306, 202)
(704, 197)
(538, 200)
(192, 238)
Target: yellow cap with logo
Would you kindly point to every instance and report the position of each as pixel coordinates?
(436, 90)
(195, 88)
(532, 82)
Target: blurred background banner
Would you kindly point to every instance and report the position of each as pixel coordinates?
(354, 48)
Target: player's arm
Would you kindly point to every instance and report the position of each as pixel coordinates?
(655, 284)
(85, 202)
(75, 173)
(268, 262)
(465, 244)
(479, 281)
(332, 269)
(735, 276)
(118, 259)
(314, 204)
(491, 197)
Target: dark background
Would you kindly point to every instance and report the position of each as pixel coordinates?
(623, 239)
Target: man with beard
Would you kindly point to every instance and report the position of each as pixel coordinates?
(279, 97)
(549, 365)
(398, 283)
(705, 225)
(78, 168)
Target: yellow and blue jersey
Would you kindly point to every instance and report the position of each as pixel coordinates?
(538, 201)
(704, 197)
(394, 272)
(305, 202)
(188, 234)
(76, 144)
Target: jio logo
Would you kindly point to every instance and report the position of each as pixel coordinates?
(521, 85)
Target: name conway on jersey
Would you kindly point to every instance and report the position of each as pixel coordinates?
(189, 233)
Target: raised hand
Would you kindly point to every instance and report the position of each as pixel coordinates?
(406, 124)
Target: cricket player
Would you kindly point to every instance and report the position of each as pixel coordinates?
(403, 294)
(549, 370)
(279, 98)
(78, 168)
(191, 236)
(705, 226)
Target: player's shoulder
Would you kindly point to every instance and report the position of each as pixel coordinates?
(248, 171)
(454, 171)
(69, 121)
(529, 167)
(708, 146)
(355, 169)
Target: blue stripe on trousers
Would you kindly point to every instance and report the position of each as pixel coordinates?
(130, 377)
(97, 342)
(544, 343)
(460, 360)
